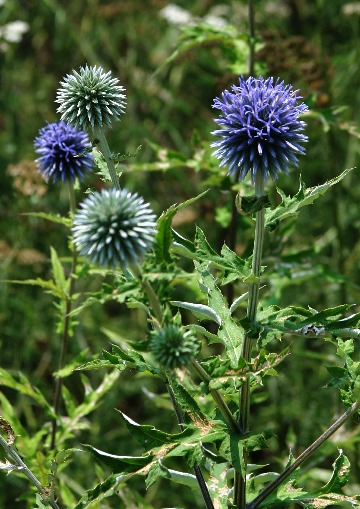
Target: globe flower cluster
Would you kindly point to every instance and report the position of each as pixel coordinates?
(172, 347)
(260, 128)
(59, 147)
(114, 228)
(90, 97)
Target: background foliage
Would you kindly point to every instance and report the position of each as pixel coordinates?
(172, 72)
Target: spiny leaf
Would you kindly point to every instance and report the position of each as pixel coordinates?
(201, 251)
(48, 286)
(201, 311)
(23, 386)
(290, 206)
(159, 470)
(120, 464)
(58, 272)
(164, 232)
(150, 437)
(229, 333)
(54, 218)
(103, 490)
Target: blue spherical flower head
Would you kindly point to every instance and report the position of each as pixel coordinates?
(114, 228)
(59, 146)
(260, 128)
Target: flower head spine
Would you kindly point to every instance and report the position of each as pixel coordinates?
(59, 147)
(260, 128)
(114, 228)
(90, 98)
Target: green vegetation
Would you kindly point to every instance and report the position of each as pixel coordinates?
(116, 403)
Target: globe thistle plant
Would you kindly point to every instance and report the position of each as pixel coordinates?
(90, 97)
(59, 146)
(114, 228)
(173, 347)
(260, 128)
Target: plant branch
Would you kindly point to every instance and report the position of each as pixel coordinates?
(197, 470)
(253, 298)
(220, 402)
(21, 467)
(66, 327)
(99, 133)
(303, 456)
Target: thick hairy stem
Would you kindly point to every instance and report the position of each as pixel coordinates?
(303, 456)
(99, 133)
(253, 299)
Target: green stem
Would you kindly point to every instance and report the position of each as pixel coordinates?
(99, 133)
(303, 456)
(22, 467)
(197, 470)
(66, 326)
(251, 18)
(153, 298)
(159, 316)
(228, 416)
(253, 299)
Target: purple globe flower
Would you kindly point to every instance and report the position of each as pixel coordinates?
(260, 128)
(59, 146)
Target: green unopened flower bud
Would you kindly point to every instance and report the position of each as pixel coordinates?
(173, 347)
(90, 97)
(114, 228)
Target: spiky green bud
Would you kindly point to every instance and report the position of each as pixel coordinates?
(90, 97)
(173, 347)
(114, 228)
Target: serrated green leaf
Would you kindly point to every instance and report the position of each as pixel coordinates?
(48, 286)
(184, 398)
(330, 494)
(58, 272)
(40, 503)
(131, 357)
(54, 218)
(150, 437)
(101, 164)
(164, 236)
(230, 333)
(93, 397)
(23, 386)
(340, 476)
(201, 311)
(218, 485)
(103, 490)
(120, 464)
(94, 364)
(290, 206)
(201, 251)
(213, 338)
(159, 470)
(237, 453)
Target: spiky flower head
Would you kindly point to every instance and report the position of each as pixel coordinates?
(90, 97)
(173, 347)
(260, 128)
(59, 146)
(114, 228)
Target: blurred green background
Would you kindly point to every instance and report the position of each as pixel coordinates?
(312, 44)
